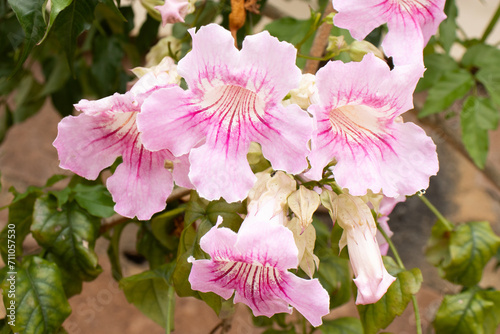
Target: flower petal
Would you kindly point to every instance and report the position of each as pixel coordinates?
(220, 171)
(211, 59)
(251, 268)
(88, 144)
(285, 143)
(165, 118)
(273, 75)
(356, 124)
(141, 184)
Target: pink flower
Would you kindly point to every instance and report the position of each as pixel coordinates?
(255, 263)
(411, 24)
(357, 122)
(234, 98)
(173, 11)
(107, 129)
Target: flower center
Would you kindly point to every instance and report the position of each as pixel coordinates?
(411, 6)
(232, 105)
(360, 126)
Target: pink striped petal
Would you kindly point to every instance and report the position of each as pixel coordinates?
(221, 171)
(411, 23)
(88, 144)
(256, 272)
(106, 130)
(357, 125)
(234, 98)
(141, 184)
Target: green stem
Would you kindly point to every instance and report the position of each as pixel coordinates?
(449, 226)
(311, 31)
(171, 306)
(418, 321)
(314, 58)
(491, 25)
(392, 247)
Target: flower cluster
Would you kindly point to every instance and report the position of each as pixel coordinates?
(343, 122)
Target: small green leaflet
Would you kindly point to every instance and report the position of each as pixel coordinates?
(478, 116)
(449, 88)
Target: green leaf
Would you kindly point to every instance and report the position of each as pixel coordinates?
(150, 247)
(335, 276)
(70, 23)
(472, 311)
(448, 28)
(478, 116)
(59, 75)
(471, 246)
(165, 225)
(345, 325)
(20, 215)
(28, 100)
(481, 55)
(69, 233)
(451, 87)
(30, 14)
(189, 245)
(71, 283)
(55, 8)
(95, 199)
(199, 208)
(293, 31)
(54, 179)
(107, 64)
(39, 300)
(379, 315)
(437, 251)
(437, 65)
(111, 4)
(153, 294)
(490, 78)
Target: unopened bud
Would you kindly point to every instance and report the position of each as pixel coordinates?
(358, 49)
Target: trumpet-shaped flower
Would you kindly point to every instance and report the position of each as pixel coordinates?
(355, 217)
(255, 263)
(357, 122)
(234, 98)
(107, 129)
(411, 24)
(173, 11)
